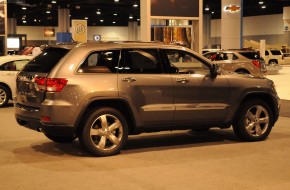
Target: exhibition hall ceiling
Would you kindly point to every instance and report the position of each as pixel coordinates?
(117, 12)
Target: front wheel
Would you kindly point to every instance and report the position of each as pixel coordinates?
(254, 121)
(105, 132)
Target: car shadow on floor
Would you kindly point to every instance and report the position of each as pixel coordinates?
(147, 142)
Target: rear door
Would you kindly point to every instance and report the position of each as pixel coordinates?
(146, 87)
(28, 92)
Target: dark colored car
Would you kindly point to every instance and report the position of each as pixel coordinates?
(102, 92)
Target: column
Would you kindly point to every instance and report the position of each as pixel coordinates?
(133, 31)
(145, 23)
(231, 24)
(286, 18)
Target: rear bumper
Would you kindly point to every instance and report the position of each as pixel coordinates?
(37, 125)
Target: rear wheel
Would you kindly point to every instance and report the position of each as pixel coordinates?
(105, 132)
(273, 62)
(60, 139)
(4, 96)
(254, 121)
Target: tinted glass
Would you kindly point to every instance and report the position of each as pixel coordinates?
(251, 55)
(141, 61)
(276, 52)
(101, 62)
(45, 61)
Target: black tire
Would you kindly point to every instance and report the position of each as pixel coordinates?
(254, 121)
(110, 130)
(4, 96)
(60, 139)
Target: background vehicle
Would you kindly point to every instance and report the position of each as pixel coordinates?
(274, 57)
(240, 61)
(102, 92)
(9, 67)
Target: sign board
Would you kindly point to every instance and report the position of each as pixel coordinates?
(79, 30)
(286, 26)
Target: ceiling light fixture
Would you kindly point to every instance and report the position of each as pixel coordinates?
(101, 20)
(206, 8)
(130, 17)
(23, 8)
(263, 7)
(78, 7)
(135, 5)
(98, 12)
(114, 22)
(47, 12)
(86, 18)
(54, 2)
(261, 2)
(116, 1)
(115, 14)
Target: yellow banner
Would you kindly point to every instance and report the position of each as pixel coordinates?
(79, 30)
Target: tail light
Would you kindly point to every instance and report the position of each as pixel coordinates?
(50, 84)
(257, 63)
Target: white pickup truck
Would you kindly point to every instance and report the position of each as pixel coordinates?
(9, 67)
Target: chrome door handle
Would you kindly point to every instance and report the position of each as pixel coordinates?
(128, 79)
(182, 80)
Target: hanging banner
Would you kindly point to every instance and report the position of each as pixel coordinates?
(79, 30)
(2, 18)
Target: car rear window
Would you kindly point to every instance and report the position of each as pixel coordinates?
(45, 61)
(250, 55)
(276, 52)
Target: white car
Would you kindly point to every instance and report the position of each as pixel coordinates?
(9, 67)
(274, 57)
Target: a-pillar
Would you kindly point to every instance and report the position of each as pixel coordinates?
(231, 24)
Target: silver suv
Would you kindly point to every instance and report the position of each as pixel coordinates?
(102, 92)
(240, 61)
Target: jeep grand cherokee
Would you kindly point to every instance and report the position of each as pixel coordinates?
(102, 92)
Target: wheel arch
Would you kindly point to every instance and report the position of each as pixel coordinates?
(273, 60)
(242, 70)
(267, 98)
(118, 104)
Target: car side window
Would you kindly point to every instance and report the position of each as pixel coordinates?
(101, 62)
(141, 61)
(186, 63)
(14, 65)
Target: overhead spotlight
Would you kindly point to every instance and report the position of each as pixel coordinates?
(98, 12)
(115, 14)
(206, 8)
(114, 22)
(263, 7)
(23, 8)
(86, 18)
(47, 12)
(212, 12)
(24, 21)
(135, 5)
(116, 1)
(261, 2)
(101, 20)
(78, 7)
(130, 17)
(53, 2)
